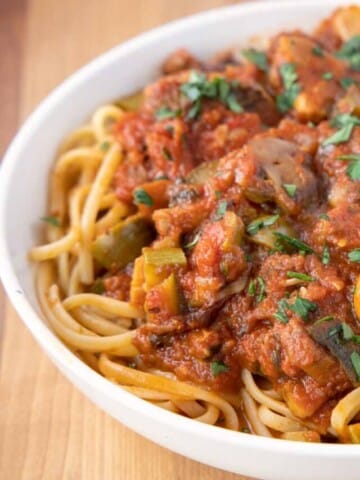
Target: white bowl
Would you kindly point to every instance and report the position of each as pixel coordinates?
(23, 192)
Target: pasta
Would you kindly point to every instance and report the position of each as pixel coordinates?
(202, 238)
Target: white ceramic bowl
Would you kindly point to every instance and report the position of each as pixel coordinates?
(23, 186)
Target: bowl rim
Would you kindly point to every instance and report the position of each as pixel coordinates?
(45, 336)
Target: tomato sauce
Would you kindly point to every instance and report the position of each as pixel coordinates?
(262, 198)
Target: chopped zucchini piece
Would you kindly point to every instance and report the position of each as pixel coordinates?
(164, 256)
(123, 243)
(171, 294)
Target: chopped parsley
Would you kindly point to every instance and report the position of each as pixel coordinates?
(198, 88)
(346, 82)
(167, 154)
(303, 307)
(218, 367)
(348, 333)
(290, 189)
(220, 212)
(354, 255)
(257, 285)
(353, 169)
(256, 225)
(293, 242)
(324, 216)
(104, 146)
(193, 242)
(345, 124)
(51, 220)
(252, 287)
(142, 197)
(325, 256)
(318, 51)
(262, 288)
(281, 314)
(285, 100)
(257, 58)
(165, 113)
(328, 76)
(355, 360)
(350, 52)
(233, 104)
(300, 276)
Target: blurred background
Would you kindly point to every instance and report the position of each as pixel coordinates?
(48, 430)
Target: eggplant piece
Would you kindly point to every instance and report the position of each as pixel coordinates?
(123, 243)
(330, 335)
(203, 317)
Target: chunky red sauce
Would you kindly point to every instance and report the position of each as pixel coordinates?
(273, 208)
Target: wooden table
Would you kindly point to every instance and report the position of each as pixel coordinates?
(48, 430)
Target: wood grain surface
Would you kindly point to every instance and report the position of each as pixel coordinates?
(48, 430)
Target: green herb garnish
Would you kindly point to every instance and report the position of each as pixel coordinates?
(348, 333)
(233, 104)
(252, 287)
(354, 255)
(262, 288)
(355, 360)
(218, 367)
(199, 88)
(220, 212)
(285, 100)
(353, 169)
(281, 314)
(350, 52)
(51, 220)
(325, 256)
(257, 58)
(303, 307)
(345, 123)
(328, 76)
(293, 242)
(164, 113)
(318, 51)
(142, 197)
(256, 225)
(257, 284)
(324, 216)
(290, 189)
(346, 82)
(300, 276)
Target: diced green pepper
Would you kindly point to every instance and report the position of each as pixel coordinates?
(123, 243)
